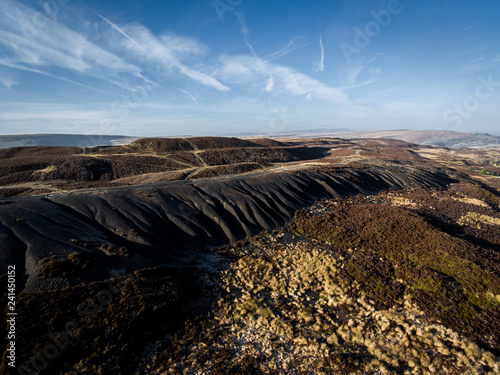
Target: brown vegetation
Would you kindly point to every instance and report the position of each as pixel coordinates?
(404, 282)
(452, 275)
(113, 321)
(71, 267)
(77, 168)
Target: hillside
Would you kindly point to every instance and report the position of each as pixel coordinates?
(334, 256)
(440, 138)
(45, 169)
(67, 140)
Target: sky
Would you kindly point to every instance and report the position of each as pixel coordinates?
(228, 67)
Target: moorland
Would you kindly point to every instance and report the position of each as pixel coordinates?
(212, 255)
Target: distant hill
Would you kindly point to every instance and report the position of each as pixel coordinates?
(70, 140)
(442, 138)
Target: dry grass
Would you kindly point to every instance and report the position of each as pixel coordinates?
(396, 200)
(475, 219)
(288, 308)
(474, 201)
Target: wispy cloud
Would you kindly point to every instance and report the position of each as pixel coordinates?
(321, 65)
(195, 100)
(376, 57)
(61, 78)
(7, 82)
(251, 73)
(390, 89)
(167, 53)
(114, 27)
(244, 30)
(351, 76)
(270, 85)
(53, 49)
(34, 117)
(42, 46)
(7, 79)
(49, 112)
(359, 75)
(291, 46)
(360, 84)
(479, 64)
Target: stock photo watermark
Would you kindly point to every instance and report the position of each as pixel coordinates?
(278, 122)
(470, 104)
(364, 35)
(60, 340)
(223, 6)
(39, 21)
(11, 316)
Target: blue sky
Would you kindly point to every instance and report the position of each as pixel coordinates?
(203, 67)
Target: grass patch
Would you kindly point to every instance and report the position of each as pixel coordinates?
(399, 253)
